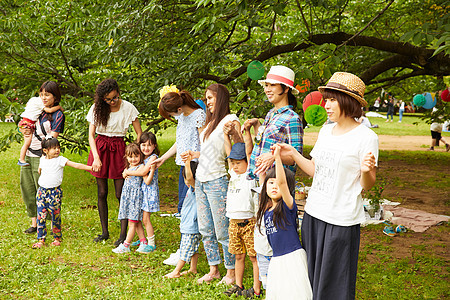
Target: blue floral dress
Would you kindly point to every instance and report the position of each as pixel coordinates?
(151, 192)
(131, 198)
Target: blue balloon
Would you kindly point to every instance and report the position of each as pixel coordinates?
(429, 101)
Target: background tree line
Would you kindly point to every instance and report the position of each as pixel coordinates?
(401, 46)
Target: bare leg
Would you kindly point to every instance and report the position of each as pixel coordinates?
(240, 267)
(148, 224)
(176, 272)
(256, 282)
(25, 146)
(131, 231)
(140, 231)
(34, 221)
(193, 267)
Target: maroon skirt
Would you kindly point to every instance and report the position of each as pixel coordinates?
(111, 151)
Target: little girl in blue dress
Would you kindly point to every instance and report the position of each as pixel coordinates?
(150, 189)
(131, 199)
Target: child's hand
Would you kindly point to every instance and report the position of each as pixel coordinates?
(186, 156)
(228, 128)
(124, 174)
(276, 150)
(248, 124)
(368, 163)
(285, 149)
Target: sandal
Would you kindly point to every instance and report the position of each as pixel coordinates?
(56, 242)
(207, 278)
(227, 280)
(389, 231)
(250, 293)
(38, 245)
(235, 289)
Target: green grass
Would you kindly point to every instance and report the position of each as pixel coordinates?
(83, 269)
(410, 125)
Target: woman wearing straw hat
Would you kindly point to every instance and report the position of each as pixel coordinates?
(281, 125)
(344, 161)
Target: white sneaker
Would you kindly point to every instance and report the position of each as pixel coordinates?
(121, 249)
(173, 259)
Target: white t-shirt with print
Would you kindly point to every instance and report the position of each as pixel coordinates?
(335, 194)
(118, 121)
(187, 133)
(211, 163)
(51, 171)
(242, 201)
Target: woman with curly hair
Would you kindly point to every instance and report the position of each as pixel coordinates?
(109, 117)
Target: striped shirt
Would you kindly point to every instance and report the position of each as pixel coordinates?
(281, 125)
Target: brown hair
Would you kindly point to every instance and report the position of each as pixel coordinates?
(221, 109)
(349, 106)
(149, 136)
(130, 150)
(171, 102)
(101, 108)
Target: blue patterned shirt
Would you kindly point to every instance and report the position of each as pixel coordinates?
(281, 125)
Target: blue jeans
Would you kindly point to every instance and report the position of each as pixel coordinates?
(211, 199)
(182, 189)
(400, 114)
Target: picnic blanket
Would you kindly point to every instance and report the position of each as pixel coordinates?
(416, 220)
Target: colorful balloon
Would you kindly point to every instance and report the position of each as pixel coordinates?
(255, 70)
(419, 100)
(313, 98)
(315, 115)
(429, 101)
(445, 95)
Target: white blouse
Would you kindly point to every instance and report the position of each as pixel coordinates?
(118, 122)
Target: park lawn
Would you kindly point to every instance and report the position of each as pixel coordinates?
(83, 269)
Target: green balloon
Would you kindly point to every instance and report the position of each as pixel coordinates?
(255, 70)
(315, 115)
(419, 100)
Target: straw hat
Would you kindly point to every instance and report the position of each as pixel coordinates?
(347, 83)
(280, 74)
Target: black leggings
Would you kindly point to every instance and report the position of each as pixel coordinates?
(102, 193)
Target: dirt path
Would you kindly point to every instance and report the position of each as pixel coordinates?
(389, 142)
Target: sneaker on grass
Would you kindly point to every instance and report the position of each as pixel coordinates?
(121, 249)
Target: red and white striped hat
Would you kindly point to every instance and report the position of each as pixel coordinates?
(280, 74)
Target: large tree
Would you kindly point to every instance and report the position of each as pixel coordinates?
(401, 46)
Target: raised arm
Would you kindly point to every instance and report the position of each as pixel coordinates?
(307, 165)
(226, 136)
(248, 137)
(78, 166)
(281, 178)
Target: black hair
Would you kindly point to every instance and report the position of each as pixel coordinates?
(221, 107)
(49, 143)
(291, 98)
(279, 213)
(149, 136)
(102, 109)
(194, 165)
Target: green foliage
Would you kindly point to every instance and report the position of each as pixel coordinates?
(146, 45)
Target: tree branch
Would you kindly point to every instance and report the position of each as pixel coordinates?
(303, 17)
(67, 65)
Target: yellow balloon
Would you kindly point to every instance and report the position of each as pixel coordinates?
(432, 95)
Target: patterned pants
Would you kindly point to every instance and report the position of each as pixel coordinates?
(211, 197)
(49, 201)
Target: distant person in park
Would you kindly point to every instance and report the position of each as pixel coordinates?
(47, 124)
(401, 110)
(109, 118)
(390, 109)
(211, 184)
(191, 118)
(33, 109)
(377, 103)
(436, 135)
(343, 163)
(366, 122)
(49, 194)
